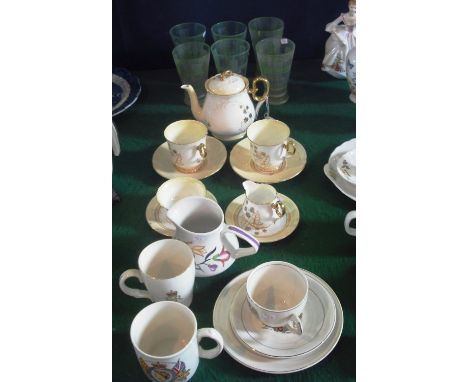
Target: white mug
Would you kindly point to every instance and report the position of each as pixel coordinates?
(277, 293)
(167, 269)
(187, 144)
(263, 213)
(269, 145)
(350, 216)
(165, 338)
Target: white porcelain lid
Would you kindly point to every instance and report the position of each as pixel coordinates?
(226, 83)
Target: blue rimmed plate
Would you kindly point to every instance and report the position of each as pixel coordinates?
(125, 90)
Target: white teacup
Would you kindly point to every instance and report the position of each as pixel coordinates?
(167, 269)
(269, 145)
(187, 144)
(277, 292)
(178, 188)
(350, 216)
(263, 213)
(165, 338)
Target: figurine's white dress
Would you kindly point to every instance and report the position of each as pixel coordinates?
(342, 39)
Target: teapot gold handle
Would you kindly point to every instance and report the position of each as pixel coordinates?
(253, 90)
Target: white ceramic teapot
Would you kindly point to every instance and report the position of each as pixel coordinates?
(228, 109)
(200, 224)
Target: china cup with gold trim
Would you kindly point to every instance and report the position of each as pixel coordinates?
(269, 145)
(187, 144)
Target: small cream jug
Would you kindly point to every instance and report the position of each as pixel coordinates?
(228, 109)
(199, 223)
(263, 213)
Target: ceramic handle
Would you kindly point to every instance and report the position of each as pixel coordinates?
(138, 293)
(241, 234)
(214, 335)
(279, 208)
(202, 150)
(347, 221)
(295, 324)
(289, 148)
(253, 90)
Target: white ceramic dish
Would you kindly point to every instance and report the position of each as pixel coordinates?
(330, 169)
(318, 320)
(346, 189)
(254, 361)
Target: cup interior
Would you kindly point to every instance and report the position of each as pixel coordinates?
(185, 132)
(178, 188)
(165, 259)
(277, 286)
(197, 214)
(268, 132)
(262, 194)
(163, 329)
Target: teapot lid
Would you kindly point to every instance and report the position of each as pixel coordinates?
(226, 83)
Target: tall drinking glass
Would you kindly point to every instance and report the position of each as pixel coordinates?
(192, 60)
(186, 32)
(231, 54)
(275, 56)
(229, 29)
(264, 27)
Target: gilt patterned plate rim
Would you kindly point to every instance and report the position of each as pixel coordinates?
(256, 361)
(292, 219)
(163, 166)
(241, 163)
(157, 225)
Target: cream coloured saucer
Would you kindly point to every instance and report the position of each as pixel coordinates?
(256, 361)
(156, 216)
(241, 163)
(292, 218)
(215, 160)
(318, 320)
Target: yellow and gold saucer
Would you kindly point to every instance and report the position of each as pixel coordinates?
(215, 159)
(242, 164)
(156, 216)
(292, 218)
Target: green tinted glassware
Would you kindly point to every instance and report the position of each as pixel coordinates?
(231, 54)
(264, 27)
(229, 29)
(275, 56)
(187, 32)
(192, 61)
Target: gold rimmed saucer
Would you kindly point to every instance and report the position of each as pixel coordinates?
(156, 216)
(241, 163)
(292, 218)
(215, 160)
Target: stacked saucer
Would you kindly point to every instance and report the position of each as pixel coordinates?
(341, 168)
(278, 350)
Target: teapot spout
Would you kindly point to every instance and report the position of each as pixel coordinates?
(194, 104)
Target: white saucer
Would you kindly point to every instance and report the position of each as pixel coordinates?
(156, 216)
(318, 320)
(330, 169)
(241, 163)
(255, 361)
(292, 218)
(215, 160)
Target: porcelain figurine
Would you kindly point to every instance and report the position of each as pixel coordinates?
(228, 109)
(351, 73)
(341, 41)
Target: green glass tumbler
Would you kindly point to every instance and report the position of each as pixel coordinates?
(229, 29)
(231, 54)
(264, 27)
(192, 61)
(187, 32)
(275, 56)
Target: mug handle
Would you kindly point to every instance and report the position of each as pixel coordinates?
(138, 293)
(289, 148)
(347, 221)
(214, 335)
(201, 148)
(241, 234)
(279, 208)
